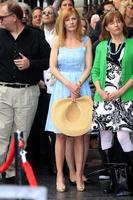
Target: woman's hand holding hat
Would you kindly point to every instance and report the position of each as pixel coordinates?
(74, 91)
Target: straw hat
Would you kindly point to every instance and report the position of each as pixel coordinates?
(73, 118)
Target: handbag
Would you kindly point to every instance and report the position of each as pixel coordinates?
(121, 173)
(49, 78)
(120, 178)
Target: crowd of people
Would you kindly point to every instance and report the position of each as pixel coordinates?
(54, 53)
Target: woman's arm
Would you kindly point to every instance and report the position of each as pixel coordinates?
(96, 75)
(114, 95)
(74, 88)
(88, 62)
(101, 92)
(53, 63)
(125, 87)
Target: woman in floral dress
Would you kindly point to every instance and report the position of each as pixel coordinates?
(112, 75)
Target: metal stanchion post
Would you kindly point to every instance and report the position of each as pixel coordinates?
(18, 169)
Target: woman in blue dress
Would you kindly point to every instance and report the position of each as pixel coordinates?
(70, 62)
(70, 140)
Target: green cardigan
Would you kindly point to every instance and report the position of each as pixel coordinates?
(99, 68)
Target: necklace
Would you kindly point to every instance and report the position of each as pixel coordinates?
(118, 49)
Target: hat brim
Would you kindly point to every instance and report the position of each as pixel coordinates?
(73, 118)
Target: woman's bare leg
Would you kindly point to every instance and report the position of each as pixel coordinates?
(70, 158)
(60, 146)
(86, 149)
(78, 153)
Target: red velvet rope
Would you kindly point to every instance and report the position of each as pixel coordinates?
(29, 174)
(27, 167)
(9, 159)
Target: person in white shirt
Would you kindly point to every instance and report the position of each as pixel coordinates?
(49, 16)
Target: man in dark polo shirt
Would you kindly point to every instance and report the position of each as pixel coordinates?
(24, 54)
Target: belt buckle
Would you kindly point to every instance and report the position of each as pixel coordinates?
(23, 86)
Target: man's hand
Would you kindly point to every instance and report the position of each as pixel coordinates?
(22, 63)
(41, 84)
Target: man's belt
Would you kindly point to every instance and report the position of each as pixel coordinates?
(15, 85)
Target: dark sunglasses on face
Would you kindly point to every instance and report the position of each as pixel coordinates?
(47, 13)
(3, 17)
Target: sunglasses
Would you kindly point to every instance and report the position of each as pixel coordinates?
(47, 13)
(3, 17)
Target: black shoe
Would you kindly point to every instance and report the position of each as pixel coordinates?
(9, 181)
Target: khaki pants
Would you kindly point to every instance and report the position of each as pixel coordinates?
(17, 110)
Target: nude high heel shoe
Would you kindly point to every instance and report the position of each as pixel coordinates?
(60, 188)
(81, 188)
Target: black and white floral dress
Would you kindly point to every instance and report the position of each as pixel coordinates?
(114, 115)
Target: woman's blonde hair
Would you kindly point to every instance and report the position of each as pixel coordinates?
(60, 25)
(124, 5)
(108, 18)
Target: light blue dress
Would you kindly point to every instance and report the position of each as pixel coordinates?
(71, 63)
